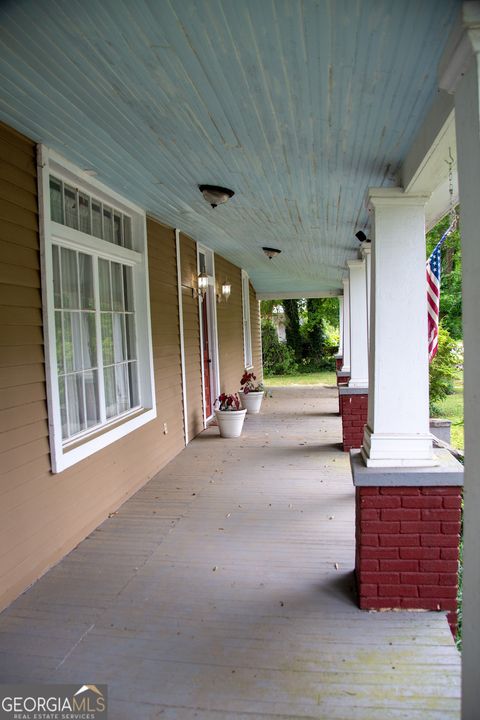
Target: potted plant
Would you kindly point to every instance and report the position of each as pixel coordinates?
(230, 416)
(251, 394)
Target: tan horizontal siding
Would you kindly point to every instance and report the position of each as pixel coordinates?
(11, 439)
(21, 375)
(18, 255)
(20, 316)
(17, 275)
(18, 235)
(191, 331)
(43, 516)
(256, 334)
(21, 354)
(19, 296)
(230, 328)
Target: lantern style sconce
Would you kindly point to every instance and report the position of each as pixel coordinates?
(225, 294)
(202, 281)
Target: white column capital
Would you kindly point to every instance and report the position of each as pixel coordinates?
(383, 197)
(365, 249)
(356, 263)
(463, 44)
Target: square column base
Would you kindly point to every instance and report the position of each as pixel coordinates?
(354, 412)
(343, 376)
(398, 450)
(407, 536)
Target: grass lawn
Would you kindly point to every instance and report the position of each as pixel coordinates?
(325, 377)
(452, 409)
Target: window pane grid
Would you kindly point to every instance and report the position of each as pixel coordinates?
(76, 209)
(96, 348)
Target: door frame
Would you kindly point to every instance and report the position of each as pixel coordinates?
(211, 300)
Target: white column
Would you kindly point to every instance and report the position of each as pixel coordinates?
(460, 74)
(397, 433)
(358, 325)
(340, 321)
(366, 251)
(346, 325)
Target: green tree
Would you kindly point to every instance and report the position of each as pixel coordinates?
(313, 333)
(267, 306)
(278, 358)
(443, 367)
(292, 327)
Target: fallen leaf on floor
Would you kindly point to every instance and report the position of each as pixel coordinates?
(331, 517)
(215, 568)
(112, 514)
(337, 566)
(228, 515)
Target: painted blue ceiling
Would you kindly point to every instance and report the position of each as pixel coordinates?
(297, 105)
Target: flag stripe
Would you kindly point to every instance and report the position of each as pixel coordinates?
(434, 266)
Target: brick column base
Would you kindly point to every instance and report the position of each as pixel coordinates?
(407, 541)
(338, 363)
(342, 377)
(354, 413)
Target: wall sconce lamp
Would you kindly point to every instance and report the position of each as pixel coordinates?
(215, 195)
(226, 291)
(202, 282)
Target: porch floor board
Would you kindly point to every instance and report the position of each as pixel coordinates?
(224, 589)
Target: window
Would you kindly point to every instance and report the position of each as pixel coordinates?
(247, 333)
(96, 308)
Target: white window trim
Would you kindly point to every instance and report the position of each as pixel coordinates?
(247, 323)
(65, 454)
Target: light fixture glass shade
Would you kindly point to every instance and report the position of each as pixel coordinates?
(216, 195)
(271, 252)
(202, 282)
(226, 290)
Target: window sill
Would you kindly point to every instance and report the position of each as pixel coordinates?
(85, 447)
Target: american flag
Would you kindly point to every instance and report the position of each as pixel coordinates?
(434, 268)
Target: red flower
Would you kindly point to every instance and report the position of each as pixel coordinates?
(228, 402)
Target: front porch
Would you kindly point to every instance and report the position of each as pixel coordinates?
(224, 589)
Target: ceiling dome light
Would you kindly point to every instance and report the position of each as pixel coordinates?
(215, 195)
(271, 252)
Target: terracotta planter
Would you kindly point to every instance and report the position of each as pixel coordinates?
(251, 401)
(230, 422)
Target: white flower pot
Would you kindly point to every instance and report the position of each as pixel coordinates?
(230, 422)
(251, 401)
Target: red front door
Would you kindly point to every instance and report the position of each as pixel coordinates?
(206, 360)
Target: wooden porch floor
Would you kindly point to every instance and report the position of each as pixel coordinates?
(224, 589)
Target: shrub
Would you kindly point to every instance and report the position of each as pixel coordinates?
(278, 358)
(443, 367)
